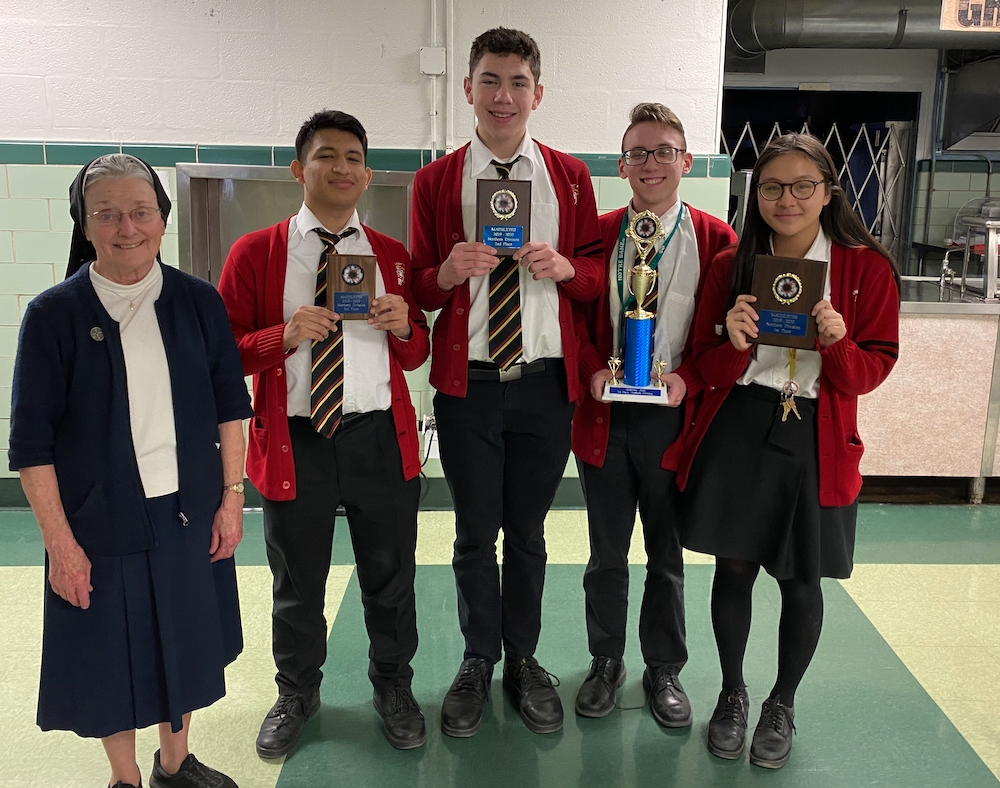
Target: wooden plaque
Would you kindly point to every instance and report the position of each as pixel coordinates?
(503, 214)
(350, 285)
(787, 289)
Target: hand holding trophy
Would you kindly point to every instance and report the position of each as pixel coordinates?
(644, 231)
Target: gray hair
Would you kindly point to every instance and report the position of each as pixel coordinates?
(116, 165)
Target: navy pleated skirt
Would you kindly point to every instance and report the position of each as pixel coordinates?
(153, 645)
(753, 492)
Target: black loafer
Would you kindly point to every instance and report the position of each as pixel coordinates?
(120, 784)
(598, 693)
(531, 689)
(727, 730)
(282, 727)
(667, 699)
(402, 721)
(192, 774)
(462, 709)
(772, 738)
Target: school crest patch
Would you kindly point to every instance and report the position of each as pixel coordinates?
(400, 274)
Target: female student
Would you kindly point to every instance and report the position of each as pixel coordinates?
(771, 468)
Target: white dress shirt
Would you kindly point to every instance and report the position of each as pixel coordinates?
(677, 278)
(366, 350)
(769, 365)
(150, 400)
(540, 331)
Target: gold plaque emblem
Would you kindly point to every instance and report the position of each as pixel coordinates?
(787, 288)
(503, 204)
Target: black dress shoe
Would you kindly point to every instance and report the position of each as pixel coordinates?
(192, 774)
(462, 710)
(667, 699)
(772, 738)
(282, 727)
(530, 688)
(728, 729)
(401, 718)
(598, 692)
(120, 784)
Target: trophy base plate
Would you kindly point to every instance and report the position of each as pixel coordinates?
(619, 392)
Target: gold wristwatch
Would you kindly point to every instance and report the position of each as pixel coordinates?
(236, 488)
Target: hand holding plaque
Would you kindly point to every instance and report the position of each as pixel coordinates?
(351, 285)
(645, 230)
(503, 214)
(787, 289)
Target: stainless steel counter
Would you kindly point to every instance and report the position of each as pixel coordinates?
(923, 295)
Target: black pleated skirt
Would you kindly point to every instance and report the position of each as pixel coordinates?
(153, 645)
(753, 492)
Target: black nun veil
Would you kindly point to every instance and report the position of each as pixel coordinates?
(81, 251)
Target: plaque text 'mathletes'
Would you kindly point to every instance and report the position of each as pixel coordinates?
(351, 285)
(787, 289)
(503, 214)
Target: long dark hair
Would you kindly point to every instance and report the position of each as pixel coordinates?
(839, 222)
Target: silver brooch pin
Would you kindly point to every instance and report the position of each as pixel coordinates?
(97, 334)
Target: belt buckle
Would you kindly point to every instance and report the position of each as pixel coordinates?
(514, 373)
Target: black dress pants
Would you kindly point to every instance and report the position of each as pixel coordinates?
(631, 476)
(503, 450)
(359, 467)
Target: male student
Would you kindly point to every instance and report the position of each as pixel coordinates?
(627, 451)
(504, 366)
(333, 425)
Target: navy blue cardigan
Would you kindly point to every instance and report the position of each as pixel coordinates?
(70, 405)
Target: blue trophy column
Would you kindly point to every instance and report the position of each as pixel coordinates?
(638, 349)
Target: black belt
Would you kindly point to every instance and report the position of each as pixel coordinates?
(483, 371)
(348, 420)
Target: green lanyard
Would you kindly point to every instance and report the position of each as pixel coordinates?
(656, 259)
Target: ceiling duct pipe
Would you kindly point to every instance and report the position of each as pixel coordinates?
(758, 26)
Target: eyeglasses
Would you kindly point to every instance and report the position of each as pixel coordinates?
(800, 190)
(664, 155)
(140, 215)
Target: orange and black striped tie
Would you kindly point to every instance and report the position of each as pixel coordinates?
(326, 396)
(505, 300)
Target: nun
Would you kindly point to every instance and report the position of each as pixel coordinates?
(126, 431)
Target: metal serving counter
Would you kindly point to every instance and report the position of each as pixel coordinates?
(949, 365)
(217, 203)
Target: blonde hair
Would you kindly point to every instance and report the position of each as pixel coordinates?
(651, 112)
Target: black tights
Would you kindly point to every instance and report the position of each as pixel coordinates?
(798, 632)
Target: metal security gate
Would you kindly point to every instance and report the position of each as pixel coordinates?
(875, 165)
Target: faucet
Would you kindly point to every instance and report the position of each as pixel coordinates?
(947, 272)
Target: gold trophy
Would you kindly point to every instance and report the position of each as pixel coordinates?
(645, 230)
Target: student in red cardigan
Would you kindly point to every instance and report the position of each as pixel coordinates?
(504, 366)
(627, 452)
(333, 425)
(770, 471)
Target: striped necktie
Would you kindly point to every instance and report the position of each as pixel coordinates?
(326, 397)
(505, 300)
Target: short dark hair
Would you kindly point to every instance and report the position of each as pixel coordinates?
(329, 119)
(504, 41)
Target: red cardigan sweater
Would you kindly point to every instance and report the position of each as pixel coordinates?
(864, 292)
(437, 226)
(253, 286)
(593, 326)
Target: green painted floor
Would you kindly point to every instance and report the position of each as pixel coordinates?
(902, 691)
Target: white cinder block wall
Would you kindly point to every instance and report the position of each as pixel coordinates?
(249, 71)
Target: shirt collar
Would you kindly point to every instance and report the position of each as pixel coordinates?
(306, 222)
(481, 156)
(820, 249)
(666, 221)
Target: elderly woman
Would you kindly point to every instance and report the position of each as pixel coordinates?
(126, 430)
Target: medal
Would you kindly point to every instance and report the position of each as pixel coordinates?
(789, 390)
